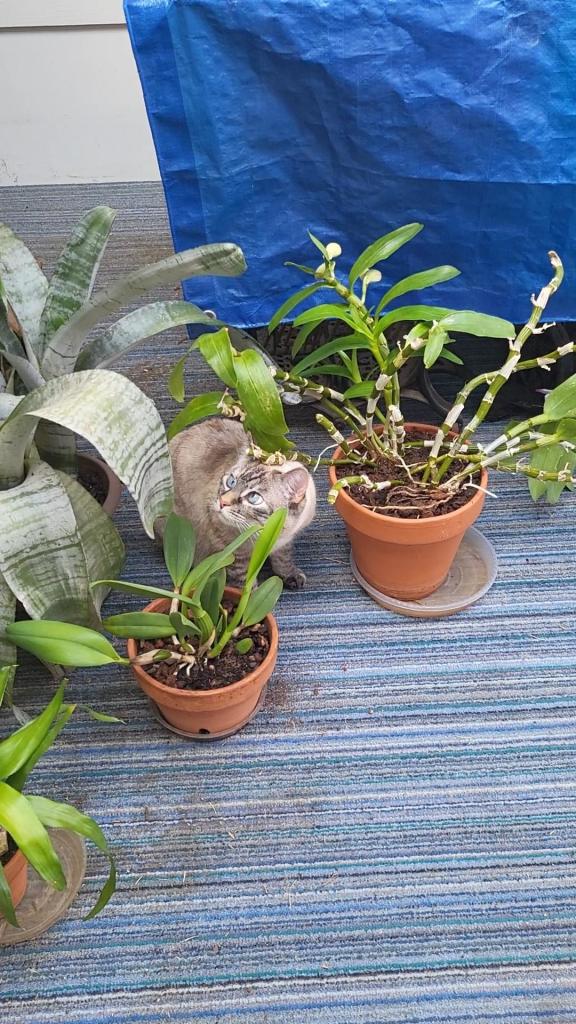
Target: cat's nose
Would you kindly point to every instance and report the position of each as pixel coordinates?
(225, 499)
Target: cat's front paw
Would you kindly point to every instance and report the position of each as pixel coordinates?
(296, 580)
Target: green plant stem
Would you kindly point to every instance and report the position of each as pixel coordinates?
(546, 441)
(502, 375)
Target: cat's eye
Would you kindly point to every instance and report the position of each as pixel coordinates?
(230, 481)
(254, 498)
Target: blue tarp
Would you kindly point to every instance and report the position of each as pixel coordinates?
(351, 117)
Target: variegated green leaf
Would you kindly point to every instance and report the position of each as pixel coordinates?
(24, 284)
(9, 342)
(57, 446)
(101, 543)
(42, 558)
(222, 259)
(7, 612)
(135, 327)
(76, 269)
(114, 416)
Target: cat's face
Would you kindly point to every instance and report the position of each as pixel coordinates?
(249, 492)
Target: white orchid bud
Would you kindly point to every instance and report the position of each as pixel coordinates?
(371, 276)
(333, 250)
(320, 271)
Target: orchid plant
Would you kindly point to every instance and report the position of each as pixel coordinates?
(543, 448)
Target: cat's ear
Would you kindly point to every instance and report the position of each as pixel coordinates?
(295, 480)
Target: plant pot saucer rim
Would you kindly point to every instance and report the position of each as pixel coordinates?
(408, 524)
(246, 680)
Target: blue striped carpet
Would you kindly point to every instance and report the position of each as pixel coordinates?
(391, 840)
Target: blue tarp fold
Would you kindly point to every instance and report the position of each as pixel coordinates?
(352, 117)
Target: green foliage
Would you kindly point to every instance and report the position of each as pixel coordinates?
(26, 817)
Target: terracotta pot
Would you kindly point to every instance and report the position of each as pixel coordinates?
(16, 871)
(405, 558)
(112, 484)
(205, 714)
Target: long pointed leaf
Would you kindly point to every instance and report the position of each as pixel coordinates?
(221, 259)
(382, 248)
(325, 311)
(197, 409)
(6, 905)
(411, 313)
(480, 324)
(293, 301)
(57, 815)
(18, 779)
(139, 625)
(259, 396)
(63, 643)
(19, 747)
(135, 327)
(343, 344)
(24, 284)
(265, 541)
(213, 563)
(21, 821)
(179, 545)
(413, 283)
(218, 352)
(101, 543)
(76, 269)
(262, 601)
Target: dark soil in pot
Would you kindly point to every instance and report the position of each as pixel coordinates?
(404, 500)
(93, 482)
(227, 668)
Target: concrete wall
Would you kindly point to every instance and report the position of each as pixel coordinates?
(72, 109)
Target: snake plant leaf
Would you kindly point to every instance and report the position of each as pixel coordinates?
(103, 549)
(262, 601)
(42, 558)
(24, 286)
(63, 643)
(382, 248)
(413, 283)
(293, 301)
(265, 542)
(343, 344)
(222, 259)
(135, 327)
(197, 409)
(16, 750)
(259, 397)
(139, 625)
(57, 815)
(479, 324)
(562, 400)
(76, 269)
(123, 424)
(218, 352)
(21, 821)
(179, 544)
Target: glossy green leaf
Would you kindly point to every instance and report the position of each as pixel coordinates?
(17, 779)
(6, 673)
(344, 344)
(19, 747)
(259, 396)
(451, 357)
(6, 904)
(290, 303)
(423, 279)
(436, 341)
(244, 646)
(325, 311)
(362, 390)
(76, 269)
(63, 643)
(265, 542)
(139, 625)
(303, 335)
(19, 818)
(382, 248)
(550, 460)
(262, 601)
(562, 400)
(213, 563)
(183, 626)
(410, 313)
(176, 388)
(142, 590)
(479, 324)
(218, 352)
(101, 716)
(179, 545)
(212, 593)
(57, 815)
(197, 409)
(329, 370)
(319, 245)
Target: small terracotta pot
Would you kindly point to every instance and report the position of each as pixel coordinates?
(205, 714)
(112, 484)
(16, 871)
(405, 558)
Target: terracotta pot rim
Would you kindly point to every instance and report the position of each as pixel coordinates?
(245, 681)
(114, 484)
(408, 524)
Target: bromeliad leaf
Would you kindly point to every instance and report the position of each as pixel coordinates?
(179, 547)
(63, 643)
(75, 272)
(413, 283)
(382, 248)
(24, 285)
(133, 328)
